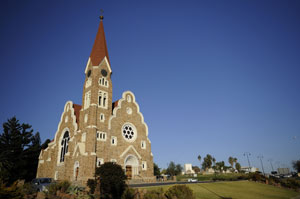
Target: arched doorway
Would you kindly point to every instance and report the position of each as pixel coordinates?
(131, 166)
(76, 170)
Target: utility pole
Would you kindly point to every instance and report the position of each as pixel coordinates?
(262, 166)
(248, 154)
(270, 160)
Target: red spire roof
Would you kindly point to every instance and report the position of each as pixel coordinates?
(99, 50)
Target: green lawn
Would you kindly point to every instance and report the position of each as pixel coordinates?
(209, 177)
(237, 190)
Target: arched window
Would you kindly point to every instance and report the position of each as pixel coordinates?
(64, 146)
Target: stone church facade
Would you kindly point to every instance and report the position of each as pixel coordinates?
(99, 130)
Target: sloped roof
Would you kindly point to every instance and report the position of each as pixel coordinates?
(99, 50)
(77, 109)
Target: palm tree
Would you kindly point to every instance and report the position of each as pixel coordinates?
(235, 160)
(199, 158)
(231, 161)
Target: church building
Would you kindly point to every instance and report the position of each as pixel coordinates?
(99, 130)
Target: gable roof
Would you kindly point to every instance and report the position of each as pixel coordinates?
(77, 109)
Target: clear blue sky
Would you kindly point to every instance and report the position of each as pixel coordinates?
(217, 77)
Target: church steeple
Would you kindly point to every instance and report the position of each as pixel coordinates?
(99, 50)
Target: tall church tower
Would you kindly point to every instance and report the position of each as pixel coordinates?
(99, 130)
(97, 90)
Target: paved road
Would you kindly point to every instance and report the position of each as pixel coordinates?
(166, 183)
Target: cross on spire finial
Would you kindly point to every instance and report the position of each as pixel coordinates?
(101, 14)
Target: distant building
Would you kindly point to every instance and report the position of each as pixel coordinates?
(249, 170)
(283, 171)
(188, 169)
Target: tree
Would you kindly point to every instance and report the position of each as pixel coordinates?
(199, 158)
(296, 165)
(196, 169)
(220, 166)
(207, 162)
(156, 169)
(231, 161)
(45, 144)
(174, 169)
(238, 167)
(112, 180)
(178, 169)
(19, 151)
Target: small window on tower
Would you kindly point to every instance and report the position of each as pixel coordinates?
(113, 141)
(102, 117)
(101, 136)
(102, 99)
(143, 145)
(103, 82)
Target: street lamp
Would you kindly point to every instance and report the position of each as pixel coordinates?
(270, 160)
(262, 166)
(248, 154)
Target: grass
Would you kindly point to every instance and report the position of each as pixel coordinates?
(207, 177)
(236, 190)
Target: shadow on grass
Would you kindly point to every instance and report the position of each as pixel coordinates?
(222, 197)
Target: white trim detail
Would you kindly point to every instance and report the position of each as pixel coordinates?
(127, 130)
(83, 137)
(61, 119)
(91, 127)
(119, 107)
(103, 82)
(102, 117)
(86, 118)
(87, 65)
(143, 144)
(100, 161)
(114, 141)
(88, 82)
(81, 147)
(76, 165)
(144, 165)
(101, 136)
(105, 61)
(128, 148)
(102, 99)
(87, 99)
(59, 145)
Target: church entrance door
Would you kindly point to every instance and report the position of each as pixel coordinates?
(129, 172)
(131, 166)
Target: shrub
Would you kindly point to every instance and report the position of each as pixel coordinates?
(155, 194)
(112, 180)
(61, 186)
(10, 192)
(91, 183)
(290, 183)
(256, 177)
(129, 193)
(179, 192)
(28, 189)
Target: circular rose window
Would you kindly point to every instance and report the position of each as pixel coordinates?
(129, 132)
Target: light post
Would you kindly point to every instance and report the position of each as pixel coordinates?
(262, 166)
(248, 154)
(270, 160)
